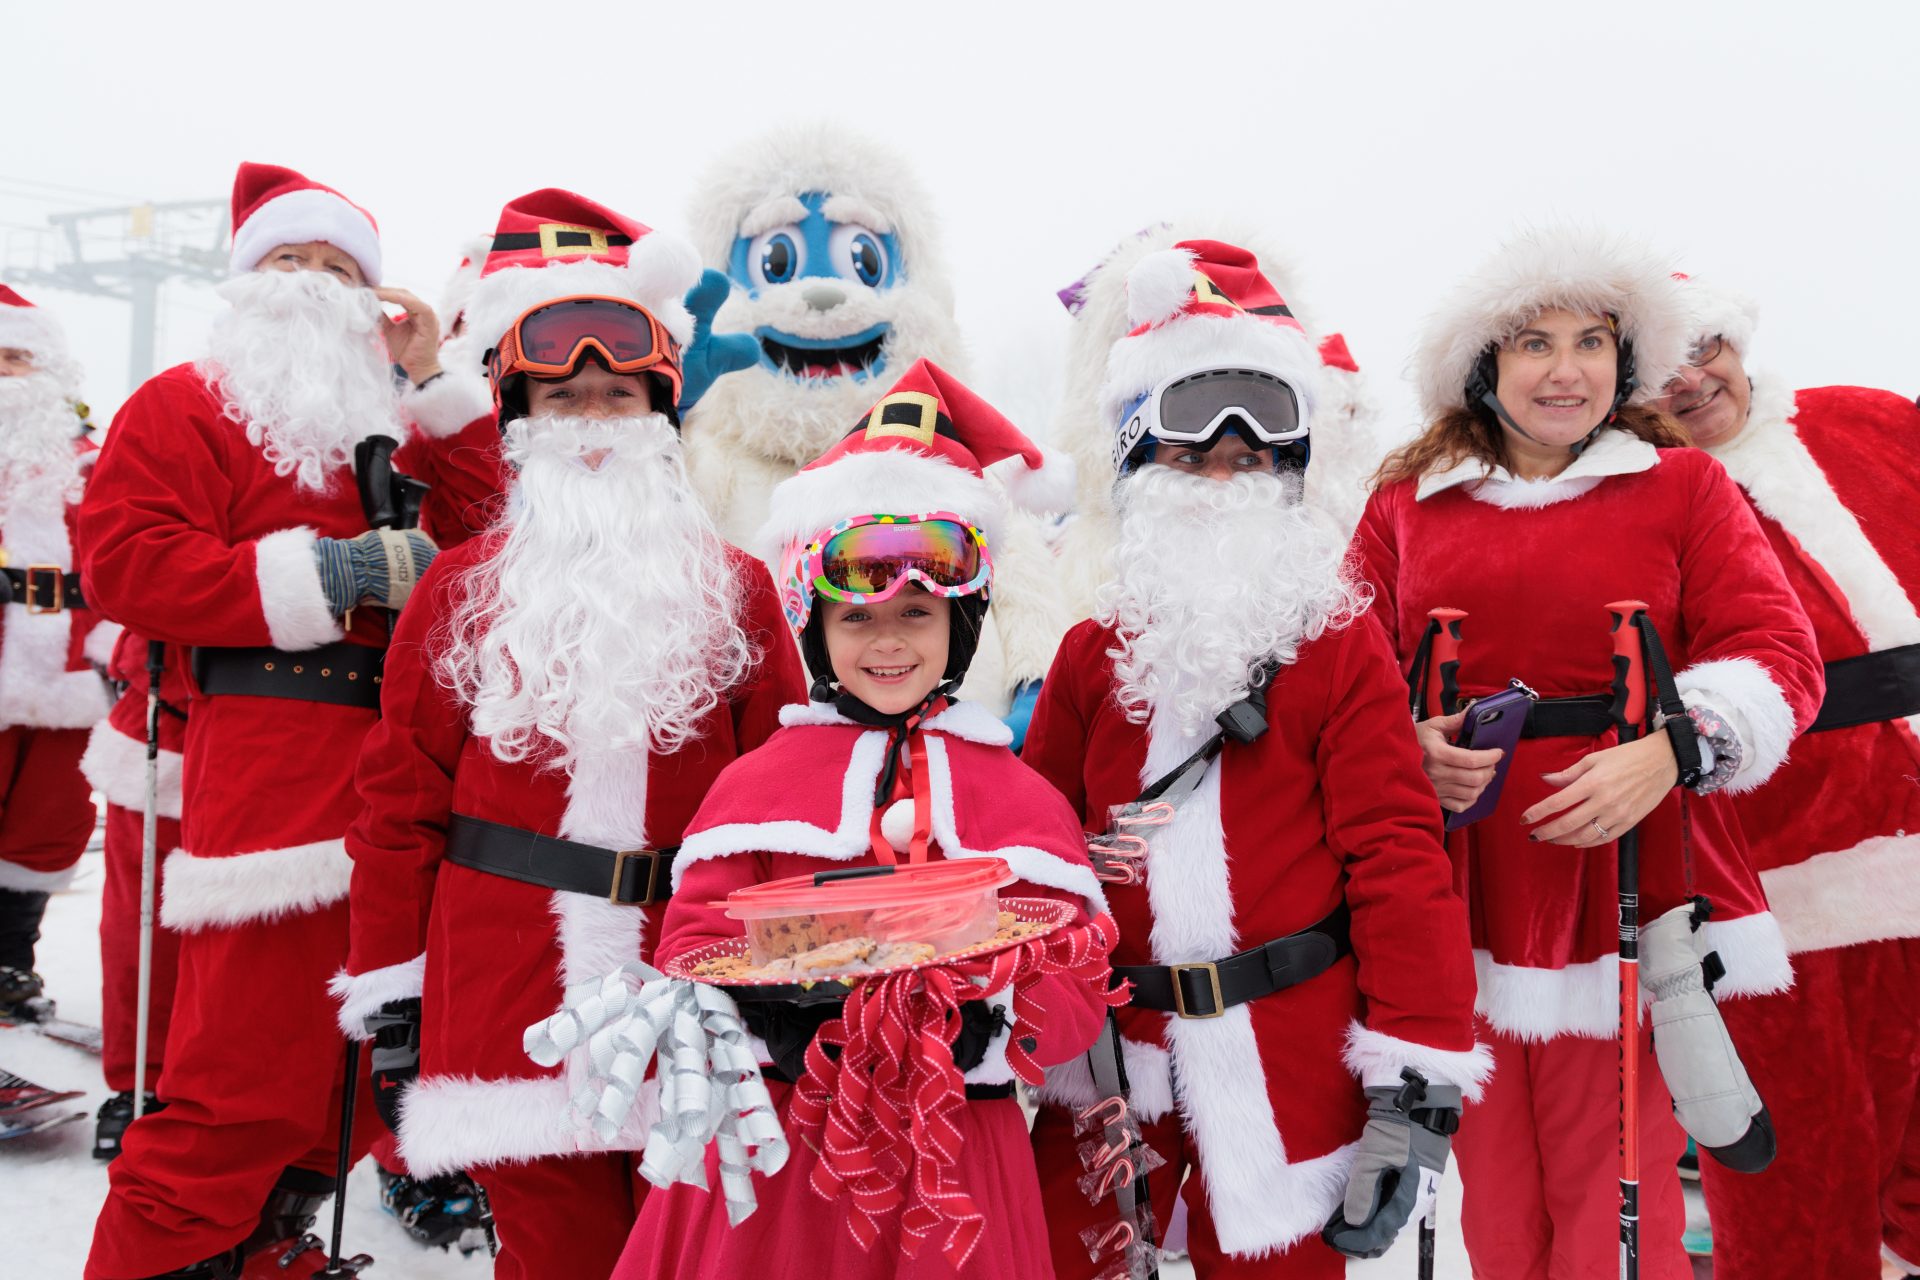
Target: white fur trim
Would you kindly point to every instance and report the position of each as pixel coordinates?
(966, 720)
(1754, 953)
(448, 405)
(606, 806)
(448, 1123)
(34, 330)
(1149, 1081)
(1544, 269)
(296, 609)
(897, 481)
(361, 994)
(1188, 344)
(459, 288)
(1868, 893)
(242, 888)
(1050, 488)
(1377, 1059)
(1034, 865)
(843, 844)
(27, 880)
(116, 766)
(1900, 1263)
(659, 270)
(1159, 285)
(1612, 453)
(302, 216)
(1714, 309)
(1746, 696)
(102, 638)
(36, 688)
(1540, 1004)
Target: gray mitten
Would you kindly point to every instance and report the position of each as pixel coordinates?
(379, 566)
(1713, 1099)
(1402, 1153)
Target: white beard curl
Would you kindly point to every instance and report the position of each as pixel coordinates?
(1212, 580)
(609, 618)
(300, 361)
(38, 431)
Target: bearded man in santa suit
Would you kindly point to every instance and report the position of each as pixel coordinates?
(561, 695)
(231, 514)
(49, 693)
(1292, 935)
(1834, 831)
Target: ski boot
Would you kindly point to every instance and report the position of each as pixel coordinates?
(110, 1125)
(447, 1212)
(282, 1246)
(22, 997)
(1690, 1163)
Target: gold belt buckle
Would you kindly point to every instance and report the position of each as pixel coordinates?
(1179, 993)
(59, 589)
(653, 876)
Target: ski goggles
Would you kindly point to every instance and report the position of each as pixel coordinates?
(867, 559)
(550, 340)
(1192, 408)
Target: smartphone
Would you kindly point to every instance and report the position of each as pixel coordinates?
(1493, 722)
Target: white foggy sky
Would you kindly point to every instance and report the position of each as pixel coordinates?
(1771, 145)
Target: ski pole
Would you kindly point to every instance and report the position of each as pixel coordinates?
(349, 1098)
(149, 875)
(1629, 710)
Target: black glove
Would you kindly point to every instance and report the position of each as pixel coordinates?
(788, 1029)
(1409, 1132)
(395, 1032)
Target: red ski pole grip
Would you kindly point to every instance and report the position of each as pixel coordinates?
(1443, 674)
(1629, 662)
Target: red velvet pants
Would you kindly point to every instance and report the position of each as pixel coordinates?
(120, 950)
(1837, 1061)
(46, 806)
(562, 1217)
(1540, 1157)
(1068, 1211)
(254, 1067)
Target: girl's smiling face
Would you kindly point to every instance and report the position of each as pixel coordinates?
(890, 654)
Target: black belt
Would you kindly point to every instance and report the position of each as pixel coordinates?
(1872, 687)
(975, 1092)
(626, 877)
(1211, 987)
(43, 588)
(1569, 717)
(346, 675)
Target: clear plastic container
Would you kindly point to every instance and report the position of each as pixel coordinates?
(871, 917)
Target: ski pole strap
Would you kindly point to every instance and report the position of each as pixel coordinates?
(1244, 721)
(1569, 717)
(1871, 688)
(1678, 725)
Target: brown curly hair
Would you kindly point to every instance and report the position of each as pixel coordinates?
(1465, 433)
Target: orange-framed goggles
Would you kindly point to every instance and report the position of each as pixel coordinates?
(550, 341)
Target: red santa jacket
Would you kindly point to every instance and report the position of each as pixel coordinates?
(191, 538)
(490, 956)
(1328, 807)
(116, 758)
(47, 660)
(1837, 831)
(804, 802)
(1534, 564)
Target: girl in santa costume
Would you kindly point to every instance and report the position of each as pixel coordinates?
(1542, 491)
(1299, 1040)
(557, 705)
(885, 574)
(1839, 1055)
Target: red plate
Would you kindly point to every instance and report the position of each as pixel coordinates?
(1047, 912)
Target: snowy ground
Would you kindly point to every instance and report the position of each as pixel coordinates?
(51, 1186)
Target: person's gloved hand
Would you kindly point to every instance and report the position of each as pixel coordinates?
(1020, 715)
(1402, 1153)
(395, 1057)
(711, 356)
(379, 566)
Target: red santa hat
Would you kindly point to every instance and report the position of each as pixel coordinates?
(1200, 305)
(30, 328)
(1547, 269)
(924, 447)
(273, 206)
(553, 244)
(1716, 311)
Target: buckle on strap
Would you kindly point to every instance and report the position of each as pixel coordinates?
(1179, 972)
(46, 573)
(620, 857)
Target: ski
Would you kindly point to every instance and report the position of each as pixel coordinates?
(10, 1127)
(78, 1035)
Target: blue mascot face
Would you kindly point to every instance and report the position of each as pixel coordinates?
(835, 267)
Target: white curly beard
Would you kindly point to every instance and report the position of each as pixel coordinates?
(1213, 579)
(38, 430)
(300, 361)
(609, 618)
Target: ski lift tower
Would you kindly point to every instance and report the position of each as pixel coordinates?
(128, 253)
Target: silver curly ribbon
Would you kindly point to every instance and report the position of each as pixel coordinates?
(709, 1077)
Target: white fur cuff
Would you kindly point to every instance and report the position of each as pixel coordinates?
(1377, 1059)
(1149, 1081)
(100, 643)
(27, 880)
(1745, 695)
(116, 766)
(447, 405)
(219, 892)
(1754, 954)
(360, 994)
(298, 616)
(1864, 894)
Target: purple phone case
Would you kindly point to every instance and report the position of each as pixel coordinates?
(1492, 722)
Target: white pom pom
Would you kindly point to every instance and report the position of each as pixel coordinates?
(896, 824)
(1159, 285)
(1051, 488)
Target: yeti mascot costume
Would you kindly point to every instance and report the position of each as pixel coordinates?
(834, 255)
